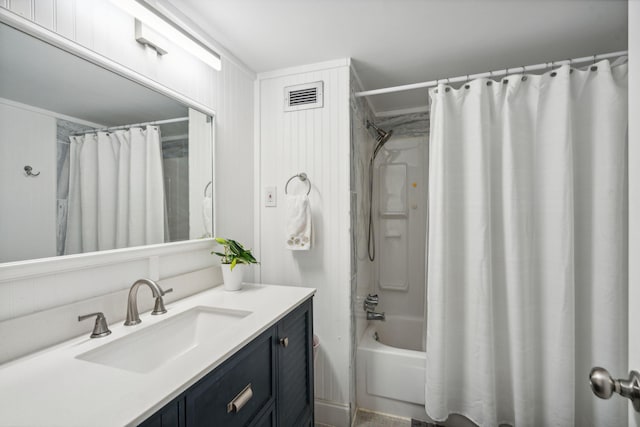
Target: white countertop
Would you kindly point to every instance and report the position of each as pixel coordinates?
(54, 388)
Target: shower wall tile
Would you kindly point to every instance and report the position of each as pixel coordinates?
(362, 145)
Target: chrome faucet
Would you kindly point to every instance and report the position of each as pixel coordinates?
(370, 303)
(372, 315)
(133, 318)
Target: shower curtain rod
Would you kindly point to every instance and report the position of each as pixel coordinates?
(158, 122)
(496, 73)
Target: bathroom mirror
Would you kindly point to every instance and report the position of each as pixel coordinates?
(93, 161)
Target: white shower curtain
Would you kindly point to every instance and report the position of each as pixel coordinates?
(116, 190)
(526, 259)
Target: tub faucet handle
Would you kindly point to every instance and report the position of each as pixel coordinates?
(370, 302)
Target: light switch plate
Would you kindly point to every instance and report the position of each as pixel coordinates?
(270, 197)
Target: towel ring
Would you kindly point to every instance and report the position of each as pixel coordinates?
(303, 177)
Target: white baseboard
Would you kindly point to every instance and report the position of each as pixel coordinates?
(332, 413)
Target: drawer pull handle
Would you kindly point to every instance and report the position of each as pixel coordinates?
(240, 400)
(284, 342)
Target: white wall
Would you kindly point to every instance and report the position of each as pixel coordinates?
(234, 166)
(28, 208)
(102, 27)
(98, 25)
(314, 141)
(634, 193)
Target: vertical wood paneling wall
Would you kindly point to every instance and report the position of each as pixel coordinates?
(314, 141)
(100, 26)
(234, 168)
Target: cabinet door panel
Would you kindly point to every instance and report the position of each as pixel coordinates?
(169, 416)
(255, 365)
(266, 420)
(295, 367)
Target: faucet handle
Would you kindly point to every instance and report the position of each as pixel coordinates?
(100, 329)
(159, 305)
(370, 302)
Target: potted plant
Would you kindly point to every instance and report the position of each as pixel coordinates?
(233, 259)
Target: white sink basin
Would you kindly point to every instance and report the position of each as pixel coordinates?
(148, 349)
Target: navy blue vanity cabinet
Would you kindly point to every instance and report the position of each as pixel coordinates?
(239, 391)
(267, 383)
(171, 415)
(294, 404)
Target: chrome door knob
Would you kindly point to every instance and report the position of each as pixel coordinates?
(601, 382)
(603, 386)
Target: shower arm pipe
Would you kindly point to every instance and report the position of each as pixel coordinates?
(158, 122)
(502, 72)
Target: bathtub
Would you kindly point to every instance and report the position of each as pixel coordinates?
(390, 367)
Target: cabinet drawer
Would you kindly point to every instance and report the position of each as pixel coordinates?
(248, 378)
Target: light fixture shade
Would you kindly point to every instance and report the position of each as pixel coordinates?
(158, 22)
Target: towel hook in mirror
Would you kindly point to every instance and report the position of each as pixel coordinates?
(28, 170)
(303, 177)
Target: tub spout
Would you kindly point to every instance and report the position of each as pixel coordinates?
(372, 315)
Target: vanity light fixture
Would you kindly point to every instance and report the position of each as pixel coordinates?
(147, 15)
(146, 36)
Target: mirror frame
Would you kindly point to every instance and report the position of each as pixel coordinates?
(45, 266)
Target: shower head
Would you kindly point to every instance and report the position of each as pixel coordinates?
(382, 137)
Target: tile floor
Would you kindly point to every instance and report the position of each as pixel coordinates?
(374, 419)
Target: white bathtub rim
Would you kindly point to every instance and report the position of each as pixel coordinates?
(369, 343)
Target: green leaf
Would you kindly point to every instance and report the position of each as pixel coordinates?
(234, 253)
(233, 263)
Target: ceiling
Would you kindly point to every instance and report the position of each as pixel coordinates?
(395, 42)
(46, 77)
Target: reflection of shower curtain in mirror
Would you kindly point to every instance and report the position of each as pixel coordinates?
(116, 192)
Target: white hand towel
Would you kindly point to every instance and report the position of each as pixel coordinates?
(207, 214)
(298, 222)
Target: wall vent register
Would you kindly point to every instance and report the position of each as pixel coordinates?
(304, 96)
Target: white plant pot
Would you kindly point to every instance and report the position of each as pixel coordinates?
(232, 278)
